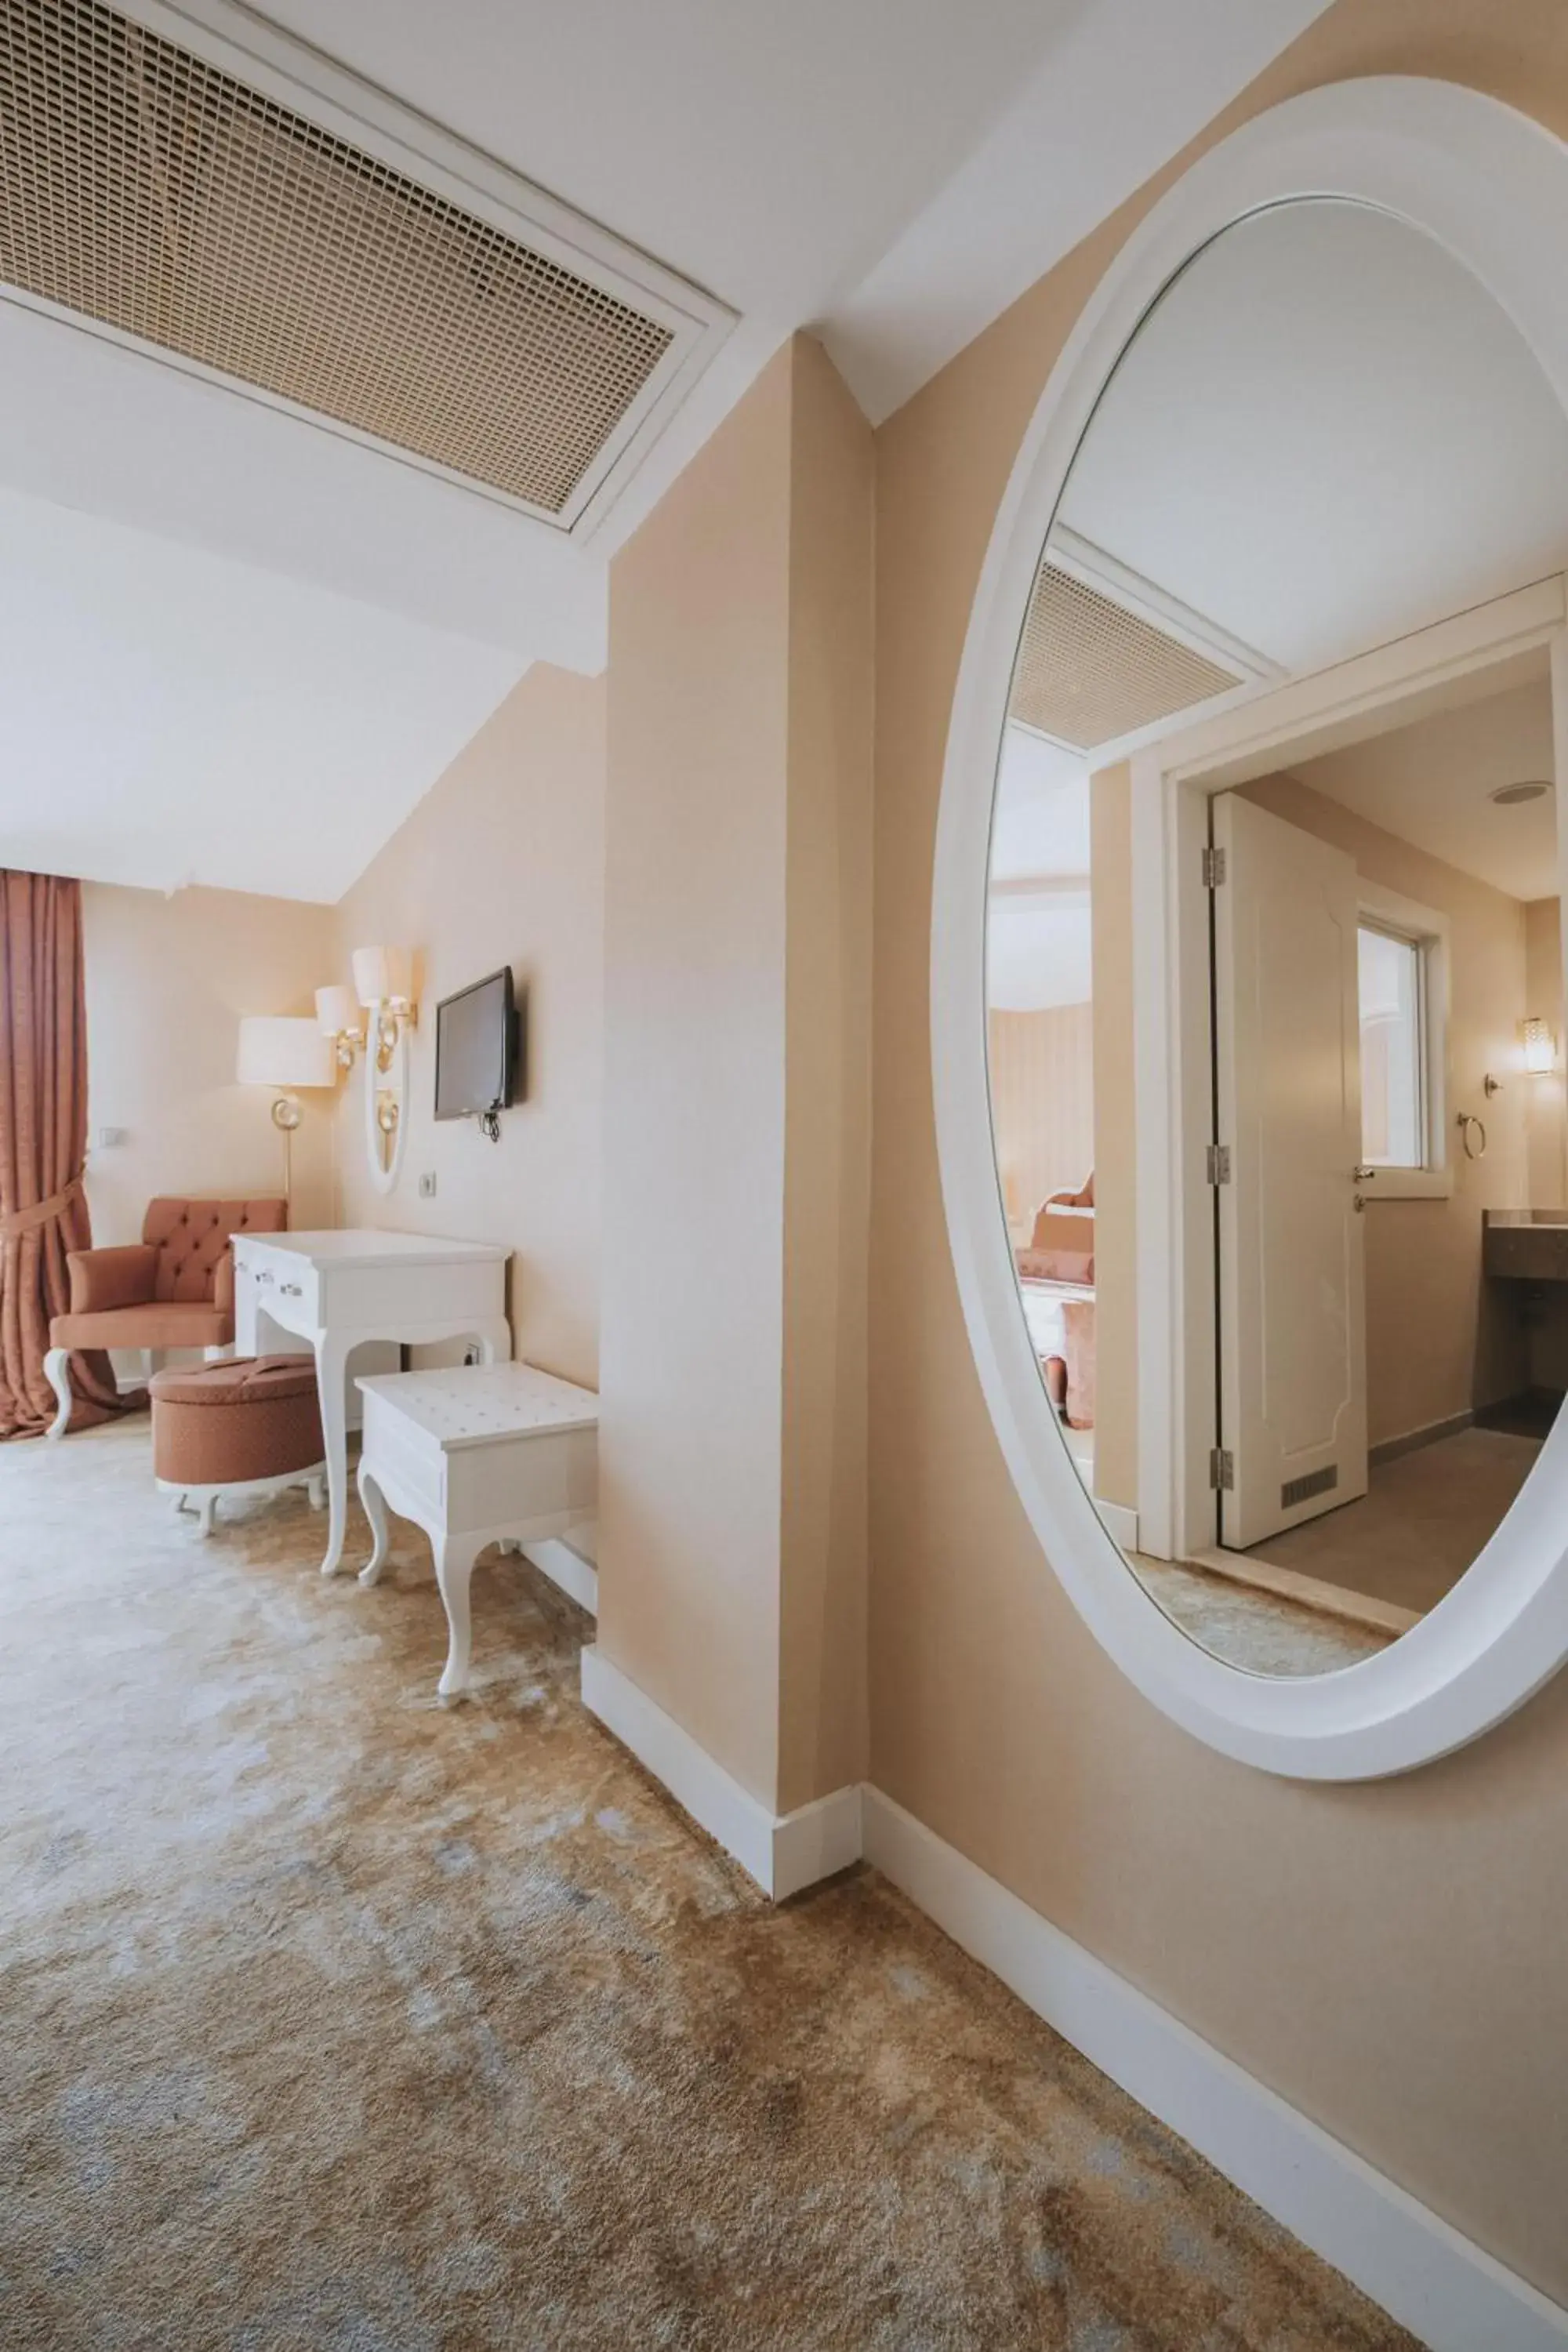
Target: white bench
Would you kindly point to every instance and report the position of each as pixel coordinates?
(480, 1454)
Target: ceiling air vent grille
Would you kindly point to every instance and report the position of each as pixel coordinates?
(147, 189)
(1089, 671)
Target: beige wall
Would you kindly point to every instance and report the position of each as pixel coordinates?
(1440, 1337)
(1042, 1104)
(1546, 1100)
(736, 1143)
(502, 863)
(167, 982)
(1387, 1957)
(828, 1086)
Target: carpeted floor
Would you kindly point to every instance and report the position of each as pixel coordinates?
(336, 2019)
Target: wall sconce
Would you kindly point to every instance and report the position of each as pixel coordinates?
(383, 986)
(383, 983)
(338, 1017)
(1540, 1046)
(284, 1055)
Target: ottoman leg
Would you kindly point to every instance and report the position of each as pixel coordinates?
(207, 1513)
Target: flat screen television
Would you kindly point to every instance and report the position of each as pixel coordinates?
(476, 1050)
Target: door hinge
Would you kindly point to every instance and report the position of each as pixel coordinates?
(1213, 867)
(1219, 1163)
(1222, 1470)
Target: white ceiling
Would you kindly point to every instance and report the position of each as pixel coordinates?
(167, 716)
(894, 172)
(1428, 783)
(1326, 435)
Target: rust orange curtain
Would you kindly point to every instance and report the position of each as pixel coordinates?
(43, 1146)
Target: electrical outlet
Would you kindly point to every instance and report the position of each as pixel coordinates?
(470, 1354)
(427, 1185)
(110, 1138)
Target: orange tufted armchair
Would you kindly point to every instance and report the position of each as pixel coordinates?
(174, 1288)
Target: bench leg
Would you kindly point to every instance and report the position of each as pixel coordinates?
(207, 1513)
(455, 1557)
(375, 1504)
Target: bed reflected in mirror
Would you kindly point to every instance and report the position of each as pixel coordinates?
(1273, 940)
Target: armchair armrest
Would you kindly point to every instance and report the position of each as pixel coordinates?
(222, 1282)
(104, 1279)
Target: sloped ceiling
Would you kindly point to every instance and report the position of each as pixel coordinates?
(214, 600)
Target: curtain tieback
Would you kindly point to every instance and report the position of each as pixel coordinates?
(43, 1213)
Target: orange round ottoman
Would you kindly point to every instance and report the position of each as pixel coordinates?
(246, 1427)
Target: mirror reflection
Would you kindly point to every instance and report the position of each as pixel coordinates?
(1273, 939)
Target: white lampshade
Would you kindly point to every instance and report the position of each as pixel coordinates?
(336, 1010)
(274, 1053)
(380, 973)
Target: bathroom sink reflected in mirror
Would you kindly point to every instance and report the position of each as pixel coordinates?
(1275, 840)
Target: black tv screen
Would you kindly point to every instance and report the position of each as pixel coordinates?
(475, 1049)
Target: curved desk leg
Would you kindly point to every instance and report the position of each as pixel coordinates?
(495, 1340)
(374, 1503)
(331, 1364)
(455, 1557)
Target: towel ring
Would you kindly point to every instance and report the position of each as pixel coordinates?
(1467, 1122)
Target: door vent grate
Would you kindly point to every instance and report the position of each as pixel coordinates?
(1301, 1490)
(1088, 670)
(143, 188)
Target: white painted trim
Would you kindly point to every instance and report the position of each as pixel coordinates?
(1439, 2285)
(1490, 185)
(1120, 1524)
(1427, 930)
(782, 1852)
(564, 1564)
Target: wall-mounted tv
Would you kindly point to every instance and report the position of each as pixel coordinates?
(477, 1051)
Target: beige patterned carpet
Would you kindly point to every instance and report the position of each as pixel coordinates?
(337, 2020)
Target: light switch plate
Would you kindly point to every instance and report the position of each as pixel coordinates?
(110, 1138)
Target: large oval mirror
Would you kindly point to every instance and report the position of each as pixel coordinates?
(1274, 957)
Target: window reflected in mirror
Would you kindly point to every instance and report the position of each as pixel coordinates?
(1287, 956)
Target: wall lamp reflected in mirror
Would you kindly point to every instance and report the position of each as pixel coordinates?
(1540, 1046)
(383, 983)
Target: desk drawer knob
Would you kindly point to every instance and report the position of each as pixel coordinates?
(291, 1290)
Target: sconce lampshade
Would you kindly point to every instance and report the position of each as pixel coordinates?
(383, 973)
(1540, 1045)
(275, 1052)
(337, 1010)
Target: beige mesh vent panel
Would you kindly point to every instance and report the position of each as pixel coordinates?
(1089, 671)
(146, 189)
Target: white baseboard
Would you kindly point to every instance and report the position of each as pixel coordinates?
(782, 1852)
(558, 1559)
(1444, 2288)
(1120, 1524)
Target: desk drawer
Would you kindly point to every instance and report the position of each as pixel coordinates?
(283, 1285)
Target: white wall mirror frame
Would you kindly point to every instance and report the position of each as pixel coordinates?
(385, 1080)
(1490, 187)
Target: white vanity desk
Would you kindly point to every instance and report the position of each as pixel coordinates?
(336, 1290)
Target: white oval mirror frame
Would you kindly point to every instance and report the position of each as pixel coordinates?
(1490, 185)
(383, 1148)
